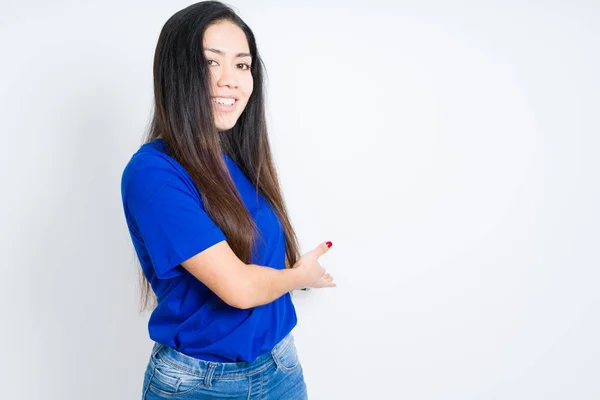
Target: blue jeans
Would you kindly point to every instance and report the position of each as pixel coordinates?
(275, 375)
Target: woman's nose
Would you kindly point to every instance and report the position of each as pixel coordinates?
(227, 77)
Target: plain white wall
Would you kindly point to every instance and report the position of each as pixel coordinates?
(448, 149)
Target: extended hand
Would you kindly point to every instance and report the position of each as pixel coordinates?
(315, 274)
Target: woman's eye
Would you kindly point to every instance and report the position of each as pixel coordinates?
(211, 61)
(244, 66)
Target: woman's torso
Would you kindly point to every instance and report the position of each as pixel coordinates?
(189, 317)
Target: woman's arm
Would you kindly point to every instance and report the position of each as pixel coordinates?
(246, 286)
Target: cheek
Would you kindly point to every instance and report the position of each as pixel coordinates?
(213, 79)
(248, 87)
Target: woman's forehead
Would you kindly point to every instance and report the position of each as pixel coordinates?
(225, 38)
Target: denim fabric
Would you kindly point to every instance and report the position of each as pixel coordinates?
(276, 375)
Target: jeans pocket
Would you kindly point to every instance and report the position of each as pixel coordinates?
(171, 380)
(287, 358)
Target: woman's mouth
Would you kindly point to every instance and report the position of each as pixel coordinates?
(225, 103)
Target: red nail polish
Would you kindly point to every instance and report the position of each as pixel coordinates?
(329, 244)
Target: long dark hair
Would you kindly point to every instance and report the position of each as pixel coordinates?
(183, 118)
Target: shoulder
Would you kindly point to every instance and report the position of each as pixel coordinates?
(150, 169)
(150, 156)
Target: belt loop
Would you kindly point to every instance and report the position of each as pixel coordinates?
(210, 371)
(275, 358)
(156, 349)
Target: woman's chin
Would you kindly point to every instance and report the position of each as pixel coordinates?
(225, 125)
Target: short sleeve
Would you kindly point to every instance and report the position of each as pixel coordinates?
(168, 217)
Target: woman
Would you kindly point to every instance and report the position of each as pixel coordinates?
(208, 222)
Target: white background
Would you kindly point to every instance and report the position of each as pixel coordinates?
(449, 150)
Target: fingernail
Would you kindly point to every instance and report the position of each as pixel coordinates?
(329, 244)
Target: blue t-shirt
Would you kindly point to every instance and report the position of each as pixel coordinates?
(168, 224)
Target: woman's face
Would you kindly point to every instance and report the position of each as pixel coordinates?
(229, 60)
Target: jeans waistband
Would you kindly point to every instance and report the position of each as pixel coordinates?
(219, 369)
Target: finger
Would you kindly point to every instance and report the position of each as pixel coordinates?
(322, 249)
(327, 282)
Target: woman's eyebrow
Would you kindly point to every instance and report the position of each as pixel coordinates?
(220, 52)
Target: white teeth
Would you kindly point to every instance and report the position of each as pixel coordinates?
(224, 101)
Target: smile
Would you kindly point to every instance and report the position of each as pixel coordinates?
(225, 103)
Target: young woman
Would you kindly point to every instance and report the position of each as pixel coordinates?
(208, 222)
